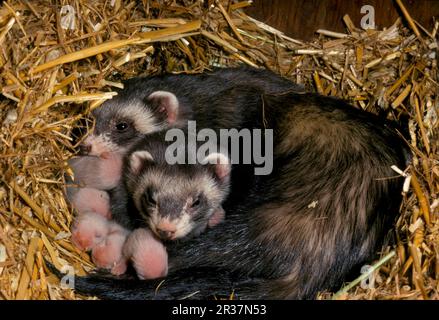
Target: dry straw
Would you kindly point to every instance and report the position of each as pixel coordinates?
(48, 71)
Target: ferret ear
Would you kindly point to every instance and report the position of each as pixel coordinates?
(220, 164)
(138, 159)
(164, 102)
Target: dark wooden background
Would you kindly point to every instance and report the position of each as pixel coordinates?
(301, 18)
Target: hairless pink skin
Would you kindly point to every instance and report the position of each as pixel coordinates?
(147, 254)
(101, 173)
(111, 245)
(108, 254)
(92, 230)
(91, 200)
(88, 230)
(104, 238)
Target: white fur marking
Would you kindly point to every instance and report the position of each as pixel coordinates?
(183, 225)
(144, 120)
(137, 158)
(172, 99)
(221, 162)
(100, 144)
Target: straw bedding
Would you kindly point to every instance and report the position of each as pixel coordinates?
(57, 63)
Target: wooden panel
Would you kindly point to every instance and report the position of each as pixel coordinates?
(301, 18)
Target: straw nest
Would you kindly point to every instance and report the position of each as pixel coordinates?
(57, 63)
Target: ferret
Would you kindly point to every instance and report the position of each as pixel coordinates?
(215, 100)
(89, 200)
(92, 230)
(102, 173)
(321, 213)
(88, 194)
(93, 177)
(147, 254)
(174, 201)
(105, 238)
(151, 104)
(113, 247)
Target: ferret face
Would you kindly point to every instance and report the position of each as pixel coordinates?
(173, 216)
(176, 205)
(177, 201)
(122, 121)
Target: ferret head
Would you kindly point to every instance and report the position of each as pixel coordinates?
(177, 201)
(123, 120)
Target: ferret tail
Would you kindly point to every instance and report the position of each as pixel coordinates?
(199, 283)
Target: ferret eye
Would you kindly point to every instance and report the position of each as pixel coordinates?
(195, 203)
(121, 126)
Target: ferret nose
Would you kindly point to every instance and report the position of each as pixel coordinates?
(166, 230)
(84, 149)
(166, 234)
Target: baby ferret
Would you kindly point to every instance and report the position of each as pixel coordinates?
(93, 177)
(175, 201)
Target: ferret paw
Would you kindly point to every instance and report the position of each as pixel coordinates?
(119, 267)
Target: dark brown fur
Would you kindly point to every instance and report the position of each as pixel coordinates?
(275, 243)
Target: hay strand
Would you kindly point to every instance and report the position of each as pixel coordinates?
(409, 18)
(364, 276)
(84, 53)
(392, 72)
